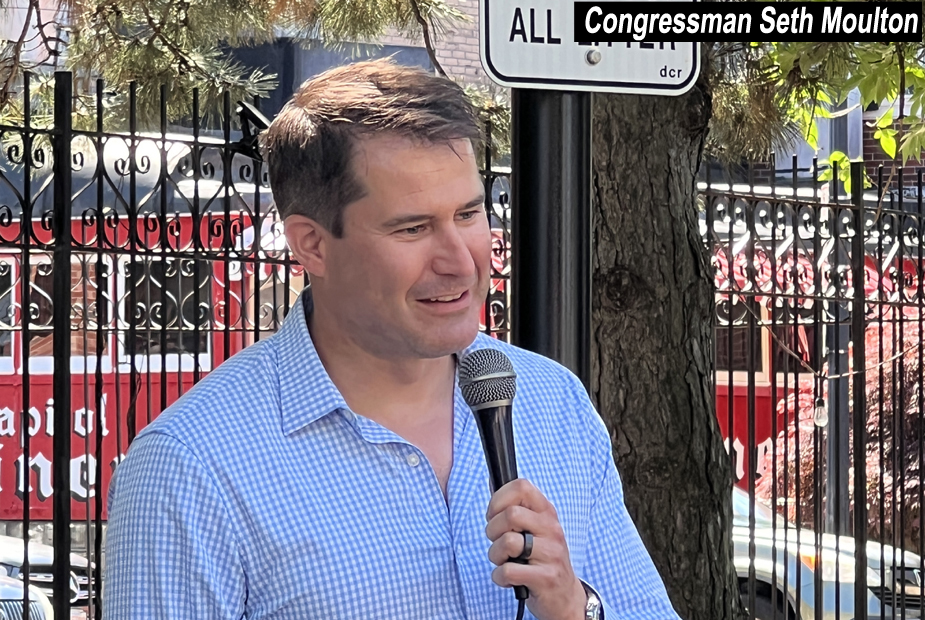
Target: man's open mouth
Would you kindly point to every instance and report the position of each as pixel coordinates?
(446, 298)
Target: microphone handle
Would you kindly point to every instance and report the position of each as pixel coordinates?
(497, 433)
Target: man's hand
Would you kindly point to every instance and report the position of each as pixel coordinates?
(555, 591)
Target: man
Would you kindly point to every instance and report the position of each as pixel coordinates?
(334, 470)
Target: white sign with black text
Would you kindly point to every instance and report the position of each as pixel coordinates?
(531, 44)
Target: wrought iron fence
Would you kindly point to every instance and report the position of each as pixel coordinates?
(158, 254)
(819, 388)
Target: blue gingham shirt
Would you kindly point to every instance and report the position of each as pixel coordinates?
(260, 495)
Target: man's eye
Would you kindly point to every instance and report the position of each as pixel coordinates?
(413, 230)
(468, 215)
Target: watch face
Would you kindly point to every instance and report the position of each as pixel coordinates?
(593, 607)
(593, 604)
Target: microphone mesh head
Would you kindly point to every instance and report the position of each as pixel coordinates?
(486, 375)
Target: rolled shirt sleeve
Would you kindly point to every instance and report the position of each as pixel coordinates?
(171, 552)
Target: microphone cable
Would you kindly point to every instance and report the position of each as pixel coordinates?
(521, 605)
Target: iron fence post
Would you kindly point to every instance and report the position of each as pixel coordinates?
(61, 323)
(838, 461)
(27, 214)
(859, 387)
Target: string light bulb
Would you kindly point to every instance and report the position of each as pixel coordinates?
(820, 413)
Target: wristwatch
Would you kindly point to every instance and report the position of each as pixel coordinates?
(594, 610)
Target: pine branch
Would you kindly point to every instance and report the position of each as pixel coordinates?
(16, 59)
(428, 44)
(47, 40)
(173, 48)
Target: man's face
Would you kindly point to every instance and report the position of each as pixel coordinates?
(410, 273)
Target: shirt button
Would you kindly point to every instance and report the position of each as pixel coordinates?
(413, 459)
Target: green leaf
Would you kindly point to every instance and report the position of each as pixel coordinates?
(913, 144)
(867, 85)
(887, 138)
(886, 119)
(836, 158)
(839, 160)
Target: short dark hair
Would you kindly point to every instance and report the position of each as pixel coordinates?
(309, 147)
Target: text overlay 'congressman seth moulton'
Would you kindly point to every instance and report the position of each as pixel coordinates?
(602, 22)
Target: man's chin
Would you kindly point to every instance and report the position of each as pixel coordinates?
(449, 341)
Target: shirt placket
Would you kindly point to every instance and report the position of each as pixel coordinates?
(423, 483)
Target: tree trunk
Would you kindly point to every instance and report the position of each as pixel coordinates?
(653, 343)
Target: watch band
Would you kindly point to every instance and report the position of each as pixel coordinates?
(594, 609)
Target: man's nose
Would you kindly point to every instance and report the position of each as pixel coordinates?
(452, 255)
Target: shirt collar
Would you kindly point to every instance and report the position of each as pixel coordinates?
(306, 391)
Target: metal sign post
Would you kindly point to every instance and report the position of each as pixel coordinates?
(551, 226)
(530, 47)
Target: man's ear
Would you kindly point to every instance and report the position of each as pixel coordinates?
(307, 241)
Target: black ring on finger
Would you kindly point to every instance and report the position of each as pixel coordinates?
(528, 547)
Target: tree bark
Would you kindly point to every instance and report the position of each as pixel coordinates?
(652, 332)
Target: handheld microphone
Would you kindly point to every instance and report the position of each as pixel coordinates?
(487, 381)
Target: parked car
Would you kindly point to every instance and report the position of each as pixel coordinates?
(12, 594)
(40, 574)
(894, 587)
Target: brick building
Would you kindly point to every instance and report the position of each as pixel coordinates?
(458, 48)
(875, 157)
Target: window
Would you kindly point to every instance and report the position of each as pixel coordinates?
(738, 334)
(748, 339)
(795, 330)
(159, 299)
